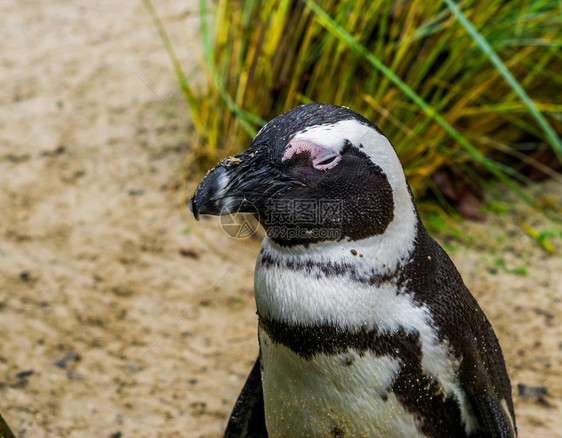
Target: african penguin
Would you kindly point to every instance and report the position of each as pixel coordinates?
(365, 325)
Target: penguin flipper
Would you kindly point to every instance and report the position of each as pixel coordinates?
(247, 419)
(493, 419)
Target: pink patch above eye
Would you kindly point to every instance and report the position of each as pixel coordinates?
(322, 158)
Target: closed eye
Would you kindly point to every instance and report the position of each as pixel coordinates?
(326, 162)
(322, 158)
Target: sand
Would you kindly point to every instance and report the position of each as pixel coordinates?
(120, 316)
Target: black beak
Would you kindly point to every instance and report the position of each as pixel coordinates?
(240, 184)
(193, 208)
(206, 199)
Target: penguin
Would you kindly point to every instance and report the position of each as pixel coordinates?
(365, 326)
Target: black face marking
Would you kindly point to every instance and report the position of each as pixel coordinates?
(356, 187)
(359, 184)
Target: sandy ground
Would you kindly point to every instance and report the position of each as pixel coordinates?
(120, 316)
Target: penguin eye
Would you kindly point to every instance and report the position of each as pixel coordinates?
(325, 162)
(322, 158)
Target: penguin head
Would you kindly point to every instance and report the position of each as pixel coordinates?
(315, 173)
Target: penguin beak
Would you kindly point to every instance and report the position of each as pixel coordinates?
(207, 198)
(239, 184)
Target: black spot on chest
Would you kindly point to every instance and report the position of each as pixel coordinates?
(337, 432)
(348, 360)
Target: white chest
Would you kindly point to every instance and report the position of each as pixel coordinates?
(324, 395)
(342, 395)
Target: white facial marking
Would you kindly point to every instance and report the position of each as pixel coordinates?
(386, 251)
(312, 397)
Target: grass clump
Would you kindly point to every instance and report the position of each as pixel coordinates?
(474, 88)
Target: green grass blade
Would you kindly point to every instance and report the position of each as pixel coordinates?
(491, 54)
(344, 36)
(5, 431)
(245, 117)
(182, 79)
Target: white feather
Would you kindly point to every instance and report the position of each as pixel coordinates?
(313, 397)
(506, 409)
(297, 298)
